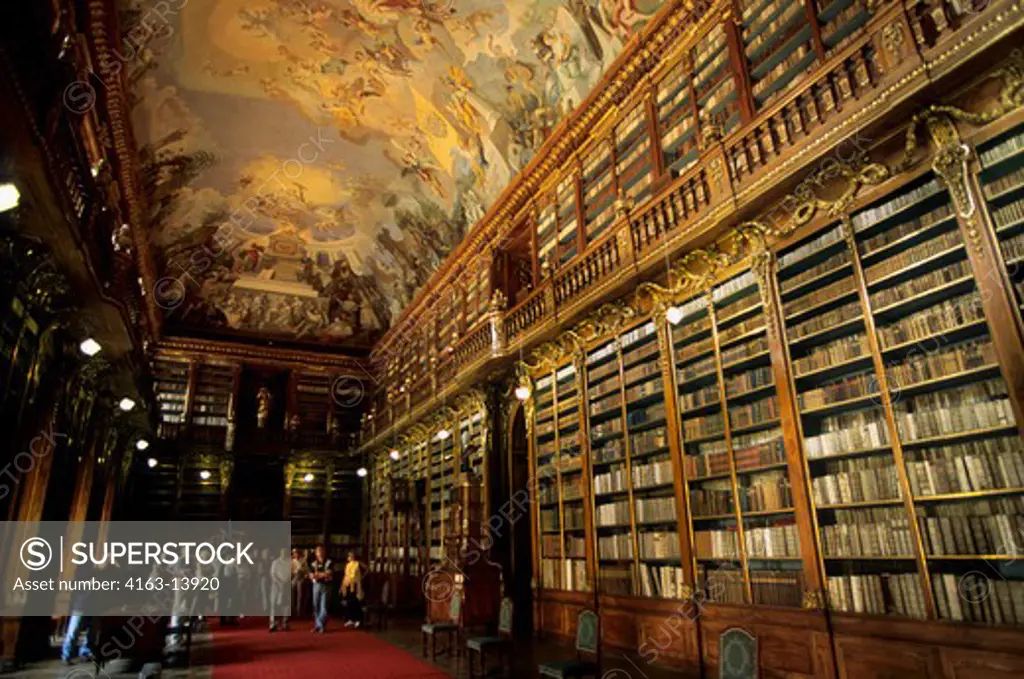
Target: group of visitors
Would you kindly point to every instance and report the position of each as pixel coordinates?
(312, 582)
(307, 578)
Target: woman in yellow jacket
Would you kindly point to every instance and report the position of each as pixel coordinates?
(352, 591)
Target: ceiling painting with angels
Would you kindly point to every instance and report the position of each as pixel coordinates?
(309, 163)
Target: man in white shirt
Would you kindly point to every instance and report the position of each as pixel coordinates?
(280, 588)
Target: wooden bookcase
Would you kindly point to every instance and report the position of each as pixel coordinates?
(823, 446)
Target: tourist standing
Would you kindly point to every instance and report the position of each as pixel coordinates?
(321, 573)
(352, 591)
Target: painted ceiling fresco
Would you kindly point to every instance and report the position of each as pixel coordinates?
(309, 163)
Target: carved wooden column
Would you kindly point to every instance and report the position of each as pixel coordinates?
(226, 468)
(289, 481)
(236, 386)
(814, 587)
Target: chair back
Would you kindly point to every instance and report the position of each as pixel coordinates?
(385, 593)
(586, 632)
(505, 617)
(455, 606)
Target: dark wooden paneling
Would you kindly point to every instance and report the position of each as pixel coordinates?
(791, 643)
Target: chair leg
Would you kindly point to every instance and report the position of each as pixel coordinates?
(423, 643)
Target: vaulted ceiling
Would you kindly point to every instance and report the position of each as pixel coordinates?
(309, 163)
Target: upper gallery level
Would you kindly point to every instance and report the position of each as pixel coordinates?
(712, 112)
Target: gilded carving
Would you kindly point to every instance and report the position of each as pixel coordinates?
(892, 39)
(814, 600)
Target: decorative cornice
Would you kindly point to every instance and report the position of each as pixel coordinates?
(226, 350)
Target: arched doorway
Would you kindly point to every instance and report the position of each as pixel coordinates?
(520, 585)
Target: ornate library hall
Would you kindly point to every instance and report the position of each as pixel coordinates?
(610, 339)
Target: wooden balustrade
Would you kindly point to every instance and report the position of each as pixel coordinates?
(528, 313)
(587, 271)
(682, 202)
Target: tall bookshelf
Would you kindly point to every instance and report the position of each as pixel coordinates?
(714, 87)
(598, 189)
(778, 45)
(547, 218)
(471, 445)
(567, 222)
(745, 538)
(910, 440)
(170, 387)
(677, 119)
(440, 454)
(313, 399)
(633, 478)
(633, 167)
(1002, 180)
(558, 470)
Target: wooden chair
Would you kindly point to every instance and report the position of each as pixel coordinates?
(586, 648)
(451, 629)
(378, 612)
(501, 643)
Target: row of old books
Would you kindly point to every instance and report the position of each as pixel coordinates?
(848, 432)
(917, 253)
(947, 315)
(1008, 214)
(981, 405)
(872, 532)
(755, 413)
(716, 544)
(648, 440)
(979, 597)
(811, 247)
(575, 547)
(827, 265)
(832, 353)
(655, 510)
(748, 381)
(713, 498)
(665, 582)
(777, 587)
(905, 228)
(738, 352)
(1004, 149)
(930, 365)
(615, 579)
(898, 593)
(842, 389)
(613, 514)
(865, 479)
(611, 481)
(824, 321)
(987, 527)
(1004, 183)
(771, 541)
(869, 217)
(984, 464)
(891, 296)
(704, 427)
(1013, 250)
(614, 547)
(640, 371)
(659, 545)
(722, 584)
(653, 474)
(822, 295)
(766, 492)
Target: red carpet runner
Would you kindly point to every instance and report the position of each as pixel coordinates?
(249, 652)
